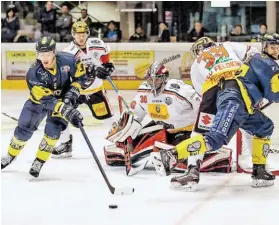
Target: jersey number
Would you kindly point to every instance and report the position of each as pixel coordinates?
(209, 56)
(143, 99)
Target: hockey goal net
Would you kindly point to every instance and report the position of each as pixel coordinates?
(244, 144)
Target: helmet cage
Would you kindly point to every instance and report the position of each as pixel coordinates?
(157, 78)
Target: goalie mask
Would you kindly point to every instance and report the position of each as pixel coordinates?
(157, 77)
(200, 45)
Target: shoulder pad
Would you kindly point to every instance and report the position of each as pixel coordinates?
(72, 49)
(95, 42)
(144, 86)
(174, 85)
(65, 56)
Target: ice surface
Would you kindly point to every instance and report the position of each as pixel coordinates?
(72, 191)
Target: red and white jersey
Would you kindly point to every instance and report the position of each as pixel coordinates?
(95, 53)
(176, 105)
(214, 63)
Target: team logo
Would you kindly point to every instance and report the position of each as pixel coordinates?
(133, 104)
(43, 75)
(158, 109)
(265, 150)
(168, 100)
(65, 69)
(175, 86)
(196, 146)
(205, 121)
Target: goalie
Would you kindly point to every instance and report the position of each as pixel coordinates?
(172, 105)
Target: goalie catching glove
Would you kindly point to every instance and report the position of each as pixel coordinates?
(125, 128)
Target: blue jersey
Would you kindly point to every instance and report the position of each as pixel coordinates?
(47, 86)
(260, 77)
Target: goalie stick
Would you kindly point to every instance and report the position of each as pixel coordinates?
(113, 190)
(131, 170)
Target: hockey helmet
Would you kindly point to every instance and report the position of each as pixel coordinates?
(157, 76)
(200, 45)
(45, 44)
(270, 39)
(80, 27)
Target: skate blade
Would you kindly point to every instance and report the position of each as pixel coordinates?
(62, 156)
(191, 186)
(262, 183)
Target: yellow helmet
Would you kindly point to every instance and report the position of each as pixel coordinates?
(200, 45)
(80, 27)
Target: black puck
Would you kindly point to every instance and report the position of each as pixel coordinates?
(113, 206)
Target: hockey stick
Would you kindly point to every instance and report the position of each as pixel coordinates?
(113, 190)
(15, 119)
(131, 170)
(11, 117)
(118, 93)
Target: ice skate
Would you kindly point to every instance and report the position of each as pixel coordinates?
(7, 160)
(36, 167)
(261, 176)
(188, 181)
(64, 150)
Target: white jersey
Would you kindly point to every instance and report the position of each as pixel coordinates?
(176, 105)
(217, 62)
(96, 53)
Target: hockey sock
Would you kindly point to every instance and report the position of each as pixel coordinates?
(65, 135)
(16, 146)
(45, 148)
(260, 150)
(190, 147)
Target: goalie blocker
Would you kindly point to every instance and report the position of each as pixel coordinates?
(151, 138)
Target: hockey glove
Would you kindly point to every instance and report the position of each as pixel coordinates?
(71, 96)
(71, 114)
(109, 67)
(101, 72)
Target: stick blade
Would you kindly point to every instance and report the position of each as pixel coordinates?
(124, 191)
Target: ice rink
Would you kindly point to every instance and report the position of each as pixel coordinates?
(72, 191)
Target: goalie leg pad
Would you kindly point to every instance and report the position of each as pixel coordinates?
(114, 155)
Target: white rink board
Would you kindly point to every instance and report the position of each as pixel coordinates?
(72, 191)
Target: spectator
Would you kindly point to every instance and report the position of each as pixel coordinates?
(238, 36)
(64, 25)
(85, 18)
(164, 34)
(47, 18)
(197, 32)
(237, 31)
(10, 26)
(113, 34)
(138, 36)
(258, 37)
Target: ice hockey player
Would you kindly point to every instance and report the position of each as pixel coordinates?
(48, 79)
(237, 102)
(95, 55)
(172, 105)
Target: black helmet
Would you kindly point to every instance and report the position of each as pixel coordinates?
(45, 44)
